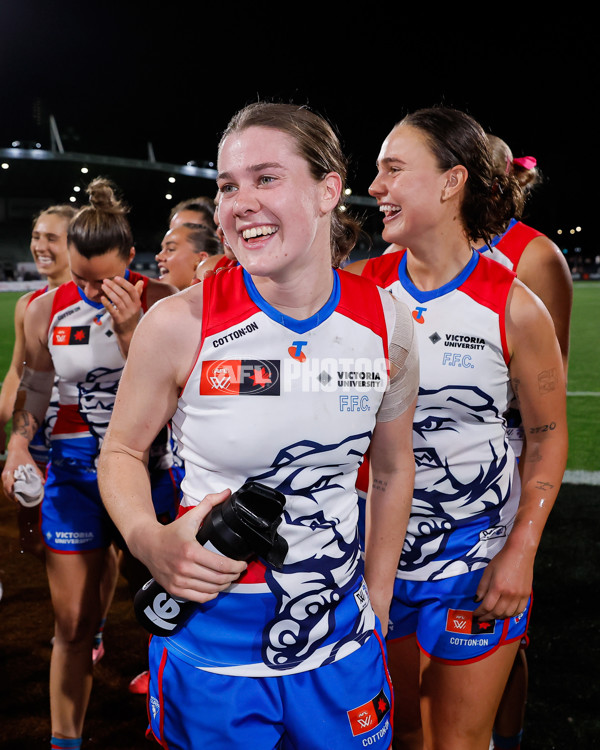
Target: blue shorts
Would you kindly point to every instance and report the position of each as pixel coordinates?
(166, 492)
(440, 614)
(344, 705)
(73, 517)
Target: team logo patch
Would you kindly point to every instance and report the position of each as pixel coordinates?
(369, 715)
(462, 621)
(361, 597)
(71, 335)
(154, 707)
(494, 533)
(240, 377)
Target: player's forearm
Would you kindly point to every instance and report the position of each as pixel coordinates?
(388, 510)
(125, 489)
(24, 427)
(8, 395)
(542, 473)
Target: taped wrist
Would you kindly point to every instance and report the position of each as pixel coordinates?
(36, 387)
(404, 365)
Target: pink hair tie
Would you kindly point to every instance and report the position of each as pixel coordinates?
(527, 162)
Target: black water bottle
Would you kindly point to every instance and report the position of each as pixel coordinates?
(242, 527)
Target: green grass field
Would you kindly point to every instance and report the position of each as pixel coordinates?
(584, 371)
(583, 407)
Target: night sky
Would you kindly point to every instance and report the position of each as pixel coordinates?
(116, 79)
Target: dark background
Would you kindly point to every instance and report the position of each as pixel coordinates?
(118, 76)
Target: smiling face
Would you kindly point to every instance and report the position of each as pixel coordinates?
(177, 260)
(49, 245)
(409, 186)
(274, 214)
(89, 273)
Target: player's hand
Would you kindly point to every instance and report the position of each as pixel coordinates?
(15, 457)
(183, 566)
(505, 586)
(123, 300)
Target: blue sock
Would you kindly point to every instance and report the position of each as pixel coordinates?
(62, 743)
(98, 636)
(507, 743)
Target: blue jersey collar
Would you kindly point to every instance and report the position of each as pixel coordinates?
(421, 296)
(498, 237)
(298, 326)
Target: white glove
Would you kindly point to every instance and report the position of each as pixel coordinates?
(28, 487)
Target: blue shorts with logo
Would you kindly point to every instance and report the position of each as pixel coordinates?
(344, 705)
(73, 517)
(440, 614)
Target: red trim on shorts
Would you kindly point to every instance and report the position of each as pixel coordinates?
(149, 732)
(458, 662)
(389, 681)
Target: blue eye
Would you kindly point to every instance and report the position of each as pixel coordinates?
(434, 424)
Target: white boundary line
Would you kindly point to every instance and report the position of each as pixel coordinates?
(577, 476)
(583, 393)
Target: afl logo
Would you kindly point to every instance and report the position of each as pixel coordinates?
(241, 377)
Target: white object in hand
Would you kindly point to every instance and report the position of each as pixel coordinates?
(28, 487)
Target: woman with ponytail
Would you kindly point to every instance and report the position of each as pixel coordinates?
(259, 375)
(79, 333)
(462, 597)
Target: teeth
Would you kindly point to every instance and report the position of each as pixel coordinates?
(388, 208)
(258, 232)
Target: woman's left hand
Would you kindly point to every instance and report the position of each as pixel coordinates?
(505, 586)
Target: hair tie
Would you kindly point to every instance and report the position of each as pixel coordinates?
(526, 162)
(496, 187)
